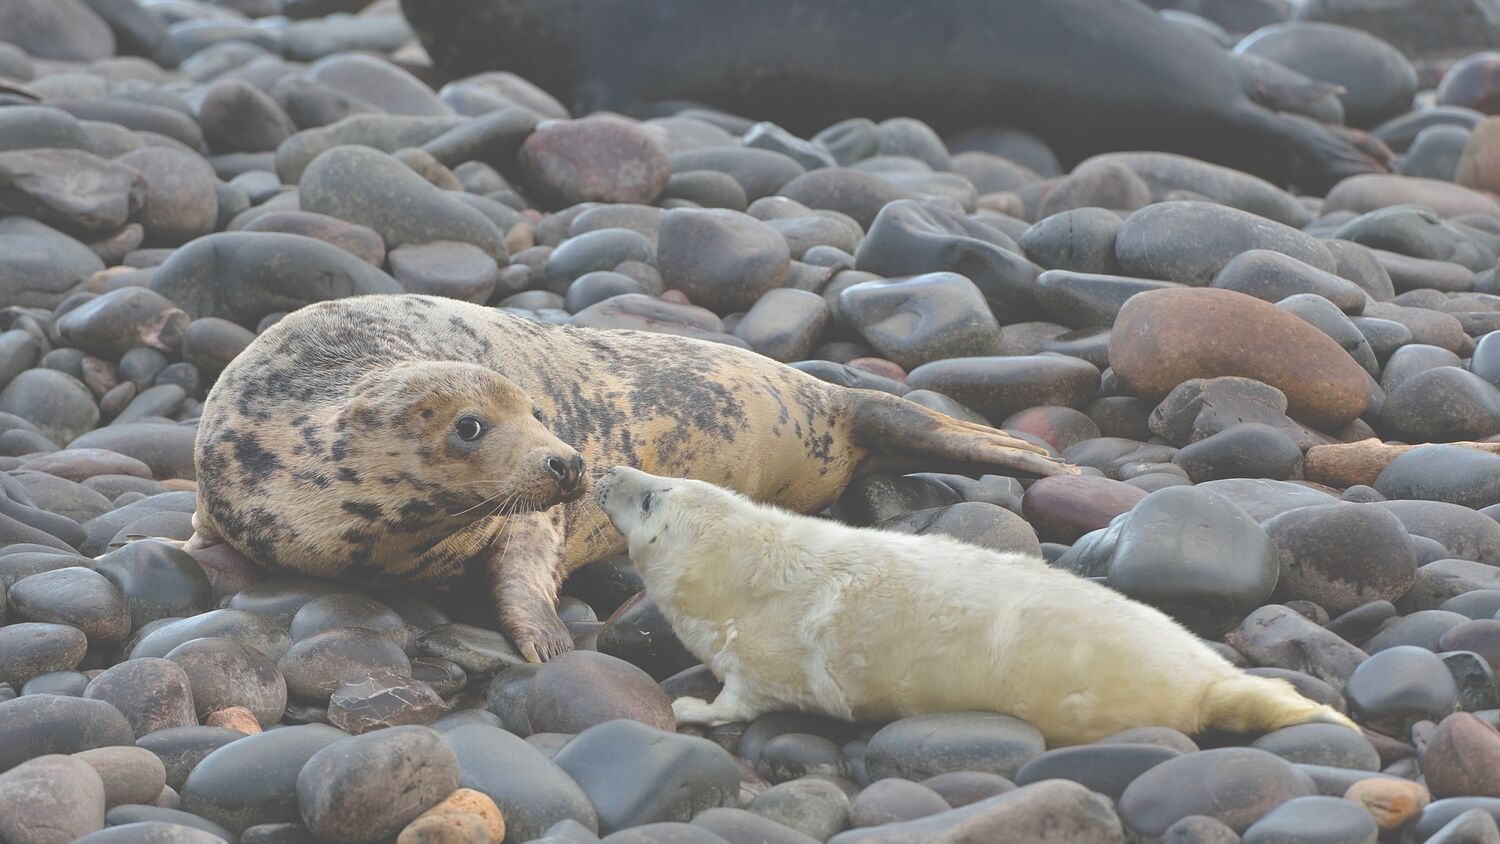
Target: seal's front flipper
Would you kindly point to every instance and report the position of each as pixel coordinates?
(906, 434)
(203, 535)
(522, 563)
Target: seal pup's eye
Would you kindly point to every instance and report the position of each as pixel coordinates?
(536, 413)
(469, 428)
(646, 502)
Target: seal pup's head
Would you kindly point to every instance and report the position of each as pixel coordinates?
(658, 514)
(473, 430)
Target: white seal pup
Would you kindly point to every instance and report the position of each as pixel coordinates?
(797, 613)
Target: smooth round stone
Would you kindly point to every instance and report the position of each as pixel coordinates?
(594, 287)
(1481, 603)
(1277, 636)
(379, 83)
(816, 807)
(1437, 152)
(1060, 427)
(973, 522)
(156, 832)
(30, 649)
(347, 609)
(1481, 636)
(115, 322)
(182, 748)
(1470, 83)
(1105, 768)
(1065, 507)
(1202, 407)
(792, 756)
(1475, 165)
(580, 689)
(1081, 240)
(1458, 820)
(1099, 184)
(243, 276)
(738, 825)
(1247, 450)
(445, 268)
(280, 598)
(211, 343)
(858, 194)
(247, 628)
(1423, 628)
(37, 725)
(1340, 556)
(723, 260)
(1321, 744)
(40, 265)
(1453, 474)
(236, 116)
(359, 241)
(894, 801)
(922, 319)
(909, 237)
(1084, 300)
(71, 683)
(76, 596)
(315, 667)
(1323, 315)
(593, 251)
(922, 746)
(1190, 242)
(961, 788)
(1377, 79)
(369, 787)
(51, 799)
(635, 774)
(71, 189)
(181, 203)
(1399, 686)
(602, 158)
(254, 780)
(784, 324)
(156, 581)
(1314, 820)
(1462, 757)
(639, 634)
(153, 694)
(130, 774)
(384, 700)
(58, 405)
(1475, 678)
(1163, 338)
(1000, 386)
(531, 791)
(1207, 586)
(368, 187)
(1272, 276)
(137, 814)
(1236, 786)
(225, 673)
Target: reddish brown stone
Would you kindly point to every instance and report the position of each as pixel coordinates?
(1463, 758)
(594, 159)
(1065, 507)
(1165, 337)
(879, 366)
(360, 241)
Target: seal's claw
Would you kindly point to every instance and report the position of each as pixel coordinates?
(539, 640)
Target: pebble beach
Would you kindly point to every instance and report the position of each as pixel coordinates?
(1285, 410)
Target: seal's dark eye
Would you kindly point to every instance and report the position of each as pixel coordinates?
(469, 428)
(646, 502)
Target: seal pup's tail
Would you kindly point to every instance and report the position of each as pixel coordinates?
(905, 434)
(1244, 703)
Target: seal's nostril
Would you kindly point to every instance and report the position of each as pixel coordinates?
(575, 468)
(558, 468)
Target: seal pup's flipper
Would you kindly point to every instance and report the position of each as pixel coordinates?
(1244, 703)
(905, 434)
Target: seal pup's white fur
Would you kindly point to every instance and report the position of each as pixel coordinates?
(797, 613)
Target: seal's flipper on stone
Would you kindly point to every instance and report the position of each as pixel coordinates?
(1315, 156)
(522, 564)
(903, 433)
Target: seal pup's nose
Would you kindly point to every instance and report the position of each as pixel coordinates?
(568, 472)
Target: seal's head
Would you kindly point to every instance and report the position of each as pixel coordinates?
(468, 426)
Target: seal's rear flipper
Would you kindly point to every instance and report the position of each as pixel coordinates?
(1315, 156)
(904, 433)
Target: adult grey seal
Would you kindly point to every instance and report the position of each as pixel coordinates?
(1088, 76)
(410, 439)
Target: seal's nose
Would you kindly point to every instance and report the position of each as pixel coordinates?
(568, 472)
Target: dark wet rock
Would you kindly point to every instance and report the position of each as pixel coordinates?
(1399, 686)
(51, 799)
(580, 689)
(739, 827)
(156, 581)
(1246, 450)
(1377, 79)
(784, 324)
(1190, 242)
(476, 649)
(58, 405)
(368, 187)
(1044, 812)
(357, 240)
(638, 633)
(243, 276)
(1278, 637)
(1000, 386)
(152, 694)
(635, 774)
(239, 117)
(166, 444)
(37, 725)
(253, 780)
(38, 264)
(383, 699)
(1461, 758)
(1272, 276)
(75, 596)
(1424, 628)
(1201, 407)
(595, 287)
(1341, 556)
(910, 238)
(116, 322)
(368, 787)
(1065, 507)
(182, 748)
(1083, 299)
(1443, 404)
(1333, 745)
(248, 628)
(1104, 768)
(30, 649)
(1442, 473)
(925, 318)
(595, 250)
(226, 673)
(318, 665)
(378, 82)
(71, 189)
(1199, 584)
(1237, 786)
(722, 260)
